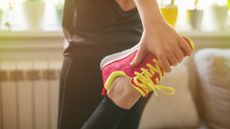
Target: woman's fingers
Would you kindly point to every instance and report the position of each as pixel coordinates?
(164, 63)
(184, 45)
(139, 56)
(168, 53)
(178, 52)
(172, 59)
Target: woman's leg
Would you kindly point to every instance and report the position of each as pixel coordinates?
(120, 98)
(132, 118)
(122, 102)
(106, 116)
(80, 87)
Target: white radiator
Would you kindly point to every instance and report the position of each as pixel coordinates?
(29, 94)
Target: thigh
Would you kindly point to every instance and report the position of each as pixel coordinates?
(80, 86)
(132, 119)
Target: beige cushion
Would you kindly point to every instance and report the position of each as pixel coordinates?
(176, 111)
(213, 67)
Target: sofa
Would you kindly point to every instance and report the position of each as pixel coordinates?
(202, 99)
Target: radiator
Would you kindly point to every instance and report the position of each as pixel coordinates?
(29, 94)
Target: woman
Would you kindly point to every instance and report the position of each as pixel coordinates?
(96, 28)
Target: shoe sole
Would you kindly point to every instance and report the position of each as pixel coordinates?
(117, 56)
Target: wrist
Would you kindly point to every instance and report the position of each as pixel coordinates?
(154, 26)
(150, 13)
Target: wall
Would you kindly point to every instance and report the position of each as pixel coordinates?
(35, 46)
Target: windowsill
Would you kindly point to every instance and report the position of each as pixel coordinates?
(29, 33)
(59, 33)
(43, 40)
(207, 34)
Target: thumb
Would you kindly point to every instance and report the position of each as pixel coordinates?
(139, 57)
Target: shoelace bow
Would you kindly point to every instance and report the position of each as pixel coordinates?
(144, 80)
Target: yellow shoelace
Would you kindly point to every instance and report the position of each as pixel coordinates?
(143, 79)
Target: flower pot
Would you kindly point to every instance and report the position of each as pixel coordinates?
(195, 17)
(219, 15)
(170, 13)
(229, 5)
(59, 13)
(228, 19)
(34, 13)
(1, 15)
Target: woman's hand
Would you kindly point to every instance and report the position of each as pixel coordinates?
(165, 43)
(159, 38)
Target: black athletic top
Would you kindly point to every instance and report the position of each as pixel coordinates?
(99, 23)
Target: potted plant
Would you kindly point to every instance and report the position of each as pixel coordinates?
(34, 13)
(1, 15)
(229, 6)
(59, 11)
(228, 19)
(170, 13)
(195, 16)
(219, 13)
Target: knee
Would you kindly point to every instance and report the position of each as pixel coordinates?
(122, 93)
(119, 87)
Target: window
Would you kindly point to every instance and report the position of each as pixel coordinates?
(17, 16)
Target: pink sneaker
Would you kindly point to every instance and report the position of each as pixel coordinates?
(144, 77)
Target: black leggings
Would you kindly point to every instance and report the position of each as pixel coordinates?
(80, 93)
